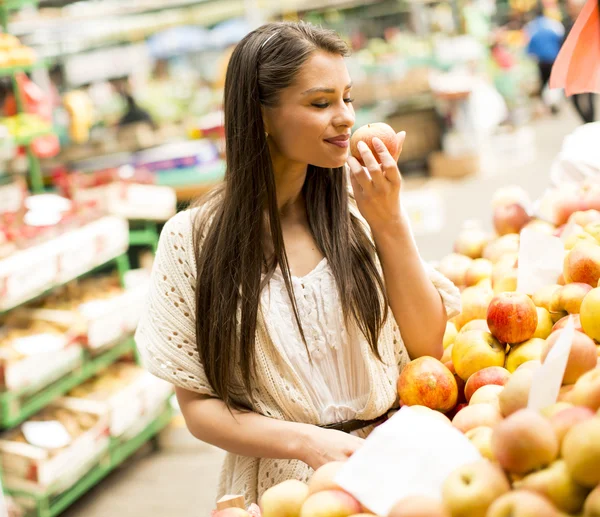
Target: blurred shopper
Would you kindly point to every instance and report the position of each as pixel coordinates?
(583, 102)
(545, 39)
(283, 307)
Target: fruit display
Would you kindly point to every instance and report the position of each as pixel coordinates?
(53, 448)
(34, 354)
(125, 392)
(98, 311)
(542, 461)
(13, 53)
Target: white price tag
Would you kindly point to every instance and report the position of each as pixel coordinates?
(541, 259)
(47, 435)
(547, 379)
(410, 454)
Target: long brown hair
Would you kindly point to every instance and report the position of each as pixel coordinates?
(243, 213)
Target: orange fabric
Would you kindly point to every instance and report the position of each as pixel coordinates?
(577, 67)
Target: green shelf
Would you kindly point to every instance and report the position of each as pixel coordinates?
(145, 234)
(6, 72)
(119, 451)
(13, 5)
(16, 407)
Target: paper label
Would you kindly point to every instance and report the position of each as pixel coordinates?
(541, 259)
(410, 454)
(547, 379)
(47, 435)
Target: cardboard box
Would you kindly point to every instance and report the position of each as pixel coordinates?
(35, 469)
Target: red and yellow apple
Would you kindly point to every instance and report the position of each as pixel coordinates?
(510, 218)
(565, 419)
(491, 375)
(323, 478)
(474, 303)
(471, 242)
(418, 506)
(330, 503)
(427, 382)
(454, 267)
(524, 441)
(471, 489)
(582, 264)
(530, 350)
(479, 270)
(581, 452)
(498, 248)
(478, 415)
(512, 317)
(582, 357)
(568, 298)
(522, 503)
(285, 499)
(475, 350)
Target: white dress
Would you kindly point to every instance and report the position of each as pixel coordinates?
(337, 380)
(345, 380)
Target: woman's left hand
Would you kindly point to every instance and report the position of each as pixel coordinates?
(377, 186)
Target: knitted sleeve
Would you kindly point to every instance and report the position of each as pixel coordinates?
(166, 334)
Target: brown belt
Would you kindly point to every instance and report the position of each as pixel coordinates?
(355, 425)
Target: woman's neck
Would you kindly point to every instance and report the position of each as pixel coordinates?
(289, 181)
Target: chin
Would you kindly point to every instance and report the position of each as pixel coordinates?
(331, 162)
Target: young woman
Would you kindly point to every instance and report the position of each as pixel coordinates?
(283, 307)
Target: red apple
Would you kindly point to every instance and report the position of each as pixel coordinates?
(478, 415)
(512, 317)
(510, 218)
(582, 264)
(490, 375)
(562, 323)
(427, 382)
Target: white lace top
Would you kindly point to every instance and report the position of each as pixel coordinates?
(345, 381)
(337, 379)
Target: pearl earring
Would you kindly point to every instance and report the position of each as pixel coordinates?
(266, 135)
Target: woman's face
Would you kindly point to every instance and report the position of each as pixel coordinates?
(312, 121)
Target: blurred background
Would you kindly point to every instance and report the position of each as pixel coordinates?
(112, 121)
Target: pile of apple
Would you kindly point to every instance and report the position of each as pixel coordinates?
(535, 464)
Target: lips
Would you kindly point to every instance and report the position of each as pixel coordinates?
(340, 141)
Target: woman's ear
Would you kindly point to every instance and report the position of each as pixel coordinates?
(265, 120)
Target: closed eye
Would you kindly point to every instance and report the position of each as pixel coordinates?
(327, 104)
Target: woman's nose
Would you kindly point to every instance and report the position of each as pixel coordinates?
(345, 117)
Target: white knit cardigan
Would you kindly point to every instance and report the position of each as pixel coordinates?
(167, 344)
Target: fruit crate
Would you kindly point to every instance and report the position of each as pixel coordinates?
(45, 505)
(28, 274)
(16, 407)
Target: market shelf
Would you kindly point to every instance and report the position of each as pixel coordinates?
(60, 260)
(16, 407)
(119, 451)
(122, 262)
(8, 71)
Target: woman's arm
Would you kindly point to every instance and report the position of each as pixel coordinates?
(254, 435)
(414, 300)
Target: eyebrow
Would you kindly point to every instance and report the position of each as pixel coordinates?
(324, 90)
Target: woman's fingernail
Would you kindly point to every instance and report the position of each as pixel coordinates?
(377, 142)
(361, 146)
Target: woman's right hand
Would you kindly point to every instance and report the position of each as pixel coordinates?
(321, 446)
